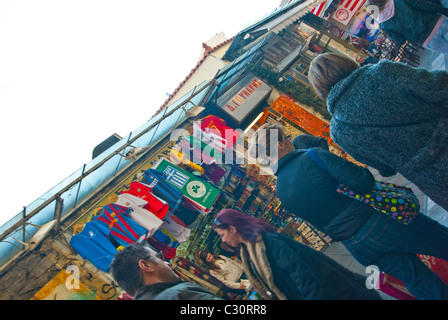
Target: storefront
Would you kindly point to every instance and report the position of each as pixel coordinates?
(348, 27)
(172, 195)
(196, 168)
(187, 182)
(171, 202)
(171, 198)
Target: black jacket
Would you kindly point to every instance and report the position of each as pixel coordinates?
(302, 273)
(310, 193)
(305, 141)
(174, 291)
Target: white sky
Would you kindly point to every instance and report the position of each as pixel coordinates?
(73, 72)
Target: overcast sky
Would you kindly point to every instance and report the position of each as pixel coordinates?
(73, 72)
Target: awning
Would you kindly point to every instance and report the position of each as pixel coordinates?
(286, 19)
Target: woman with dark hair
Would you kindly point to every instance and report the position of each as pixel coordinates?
(281, 268)
(225, 270)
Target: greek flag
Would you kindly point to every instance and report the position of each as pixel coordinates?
(175, 177)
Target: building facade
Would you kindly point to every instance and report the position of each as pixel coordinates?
(239, 83)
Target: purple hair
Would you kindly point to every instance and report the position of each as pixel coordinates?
(247, 226)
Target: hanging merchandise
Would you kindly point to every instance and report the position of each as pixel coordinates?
(200, 150)
(212, 127)
(209, 137)
(122, 228)
(193, 154)
(162, 188)
(179, 157)
(214, 172)
(186, 214)
(200, 193)
(347, 10)
(93, 244)
(174, 229)
(140, 215)
(310, 236)
(157, 206)
(168, 252)
(163, 237)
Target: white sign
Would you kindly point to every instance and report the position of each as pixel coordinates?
(238, 105)
(346, 10)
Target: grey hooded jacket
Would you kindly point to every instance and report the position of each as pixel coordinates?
(393, 117)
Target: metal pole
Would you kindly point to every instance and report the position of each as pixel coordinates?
(79, 187)
(58, 210)
(23, 228)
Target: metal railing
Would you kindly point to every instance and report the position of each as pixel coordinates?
(63, 199)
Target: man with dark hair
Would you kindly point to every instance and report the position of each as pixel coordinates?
(142, 273)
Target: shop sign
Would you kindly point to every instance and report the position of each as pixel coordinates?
(346, 10)
(336, 31)
(251, 91)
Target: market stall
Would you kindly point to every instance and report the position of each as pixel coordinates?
(172, 200)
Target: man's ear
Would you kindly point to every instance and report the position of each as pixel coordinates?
(146, 265)
(281, 145)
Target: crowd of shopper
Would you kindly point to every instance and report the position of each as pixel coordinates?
(387, 115)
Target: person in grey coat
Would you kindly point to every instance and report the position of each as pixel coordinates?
(389, 116)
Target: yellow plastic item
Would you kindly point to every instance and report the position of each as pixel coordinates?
(180, 157)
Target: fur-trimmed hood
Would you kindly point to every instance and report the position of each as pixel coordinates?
(258, 269)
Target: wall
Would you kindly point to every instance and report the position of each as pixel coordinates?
(29, 274)
(204, 72)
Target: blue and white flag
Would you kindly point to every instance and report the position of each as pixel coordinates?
(175, 177)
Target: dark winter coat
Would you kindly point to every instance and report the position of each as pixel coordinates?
(280, 268)
(310, 193)
(174, 291)
(414, 20)
(393, 117)
(306, 141)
